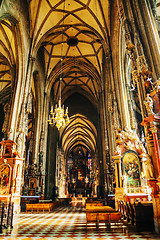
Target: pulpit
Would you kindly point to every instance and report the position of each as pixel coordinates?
(10, 174)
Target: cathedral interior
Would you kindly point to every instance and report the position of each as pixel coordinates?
(80, 104)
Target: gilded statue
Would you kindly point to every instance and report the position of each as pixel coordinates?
(157, 85)
(149, 168)
(148, 85)
(149, 105)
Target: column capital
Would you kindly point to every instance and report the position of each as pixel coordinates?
(117, 158)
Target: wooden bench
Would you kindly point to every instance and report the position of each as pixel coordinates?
(39, 207)
(115, 222)
(29, 207)
(97, 214)
(97, 217)
(91, 218)
(104, 214)
(99, 209)
(103, 217)
(94, 204)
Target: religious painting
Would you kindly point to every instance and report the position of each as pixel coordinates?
(33, 183)
(4, 178)
(131, 168)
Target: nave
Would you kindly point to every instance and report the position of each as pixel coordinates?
(79, 109)
(65, 223)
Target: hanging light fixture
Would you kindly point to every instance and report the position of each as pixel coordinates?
(59, 117)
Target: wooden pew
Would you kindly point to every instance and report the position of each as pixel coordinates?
(47, 206)
(100, 209)
(29, 207)
(115, 222)
(103, 217)
(94, 204)
(97, 214)
(39, 207)
(91, 217)
(104, 214)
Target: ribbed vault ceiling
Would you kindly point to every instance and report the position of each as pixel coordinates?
(53, 23)
(72, 35)
(79, 132)
(77, 77)
(7, 58)
(70, 30)
(75, 31)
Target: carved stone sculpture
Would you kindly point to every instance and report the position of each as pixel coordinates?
(149, 168)
(128, 140)
(149, 105)
(148, 85)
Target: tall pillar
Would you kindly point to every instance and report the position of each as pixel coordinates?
(119, 191)
(118, 171)
(153, 129)
(152, 124)
(155, 185)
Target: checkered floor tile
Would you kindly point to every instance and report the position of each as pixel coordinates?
(65, 223)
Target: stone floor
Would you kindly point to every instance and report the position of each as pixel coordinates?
(65, 223)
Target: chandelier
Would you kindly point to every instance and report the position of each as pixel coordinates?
(59, 117)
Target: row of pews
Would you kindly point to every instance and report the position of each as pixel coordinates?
(137, 214)
(38, 207)
(6, 216)
(45, 206)
(97, 213)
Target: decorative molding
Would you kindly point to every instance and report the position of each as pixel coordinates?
(128, 140)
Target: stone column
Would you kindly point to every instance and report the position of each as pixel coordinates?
(151, 123)
(149, 34)
(137, 79)
(118, 170)
(153, 129)
(155, 185)
(119, 191)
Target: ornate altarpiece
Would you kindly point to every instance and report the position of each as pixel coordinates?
(132, 168)
(11, 164)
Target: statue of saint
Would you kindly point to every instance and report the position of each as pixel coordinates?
(149, 168)
(149, 105)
